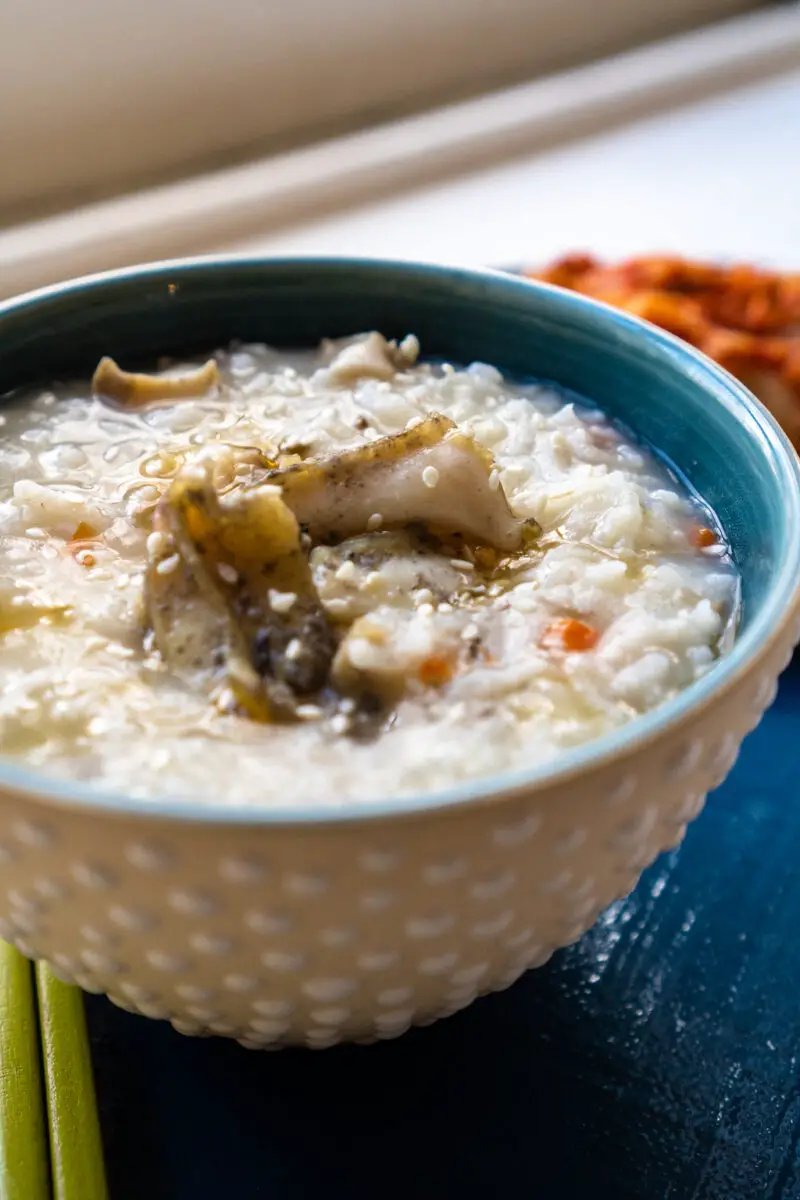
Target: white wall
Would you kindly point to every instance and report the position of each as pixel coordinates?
(99, 92)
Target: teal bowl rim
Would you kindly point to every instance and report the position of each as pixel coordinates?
(599, 752)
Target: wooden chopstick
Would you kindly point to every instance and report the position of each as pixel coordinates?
(24, 1173)
(76, 1148)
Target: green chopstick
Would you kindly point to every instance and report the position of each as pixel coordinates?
(76, 1148)
(24, 1173)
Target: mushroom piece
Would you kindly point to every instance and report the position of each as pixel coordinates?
(372, 357)
(230, 598)
(432, 474)
(386, 568)
(135, 389)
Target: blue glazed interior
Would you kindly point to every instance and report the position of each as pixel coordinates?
(692, 412)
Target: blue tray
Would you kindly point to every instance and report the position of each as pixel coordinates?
(659, 1059)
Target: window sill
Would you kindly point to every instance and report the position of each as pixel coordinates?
(248, 206)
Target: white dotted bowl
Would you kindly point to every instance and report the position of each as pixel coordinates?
(358, 929)
(313, 927)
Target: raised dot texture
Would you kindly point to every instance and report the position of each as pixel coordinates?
(394, 1019)
(196, 904)
(240, 983)
(330, 1016)
(95, 960)
(685, 760)
(378, 960)
(321, 1039)
(212, 943)
(571, 841)
(282, 960)
(268, 923)
(430, 927)
(195, 993)
(446, 871)
(557, 882)
(90, 875)
(379, 861)
(272, 1027)
(516, 833)
(273, 1008)
(187, 1028)
(394, 997)
(622, 790)
(19, 900)
(148, 856)
(470, 974)
(377, 901)
(438, 964)
(493, 887)
(136, 993)
(31, 833)
(636, 829)
(51, 889)
(131, 918)
(306, 885)
(164, 960)
(690, 806)
(243, 870)
(493, 926)
(337, 936)
(329, 989)
(99, 937)
(205, 1015)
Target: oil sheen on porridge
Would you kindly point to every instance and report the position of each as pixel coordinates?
(288, 578)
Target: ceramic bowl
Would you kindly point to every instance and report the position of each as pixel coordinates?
(311, 926)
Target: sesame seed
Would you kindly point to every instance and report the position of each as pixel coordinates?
(445, 608)
(227, 573)
(168, 565)
(226, 701)
(461, 564)
(409, 347)
(426, 610)
(347, 572)
(294, 649)
(374, 521)
(339, 723)
(309, 712)
(156, 544)
(119, 651)
(281, 602)
(423, 596)
(430, 477)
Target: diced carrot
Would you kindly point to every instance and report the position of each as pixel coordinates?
(702, 537)
(571, 634)
(78, 545)
(84, 533)
(435, 671)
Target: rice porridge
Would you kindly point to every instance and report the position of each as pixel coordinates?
(283, 578)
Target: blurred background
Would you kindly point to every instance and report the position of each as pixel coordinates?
(449, 129)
